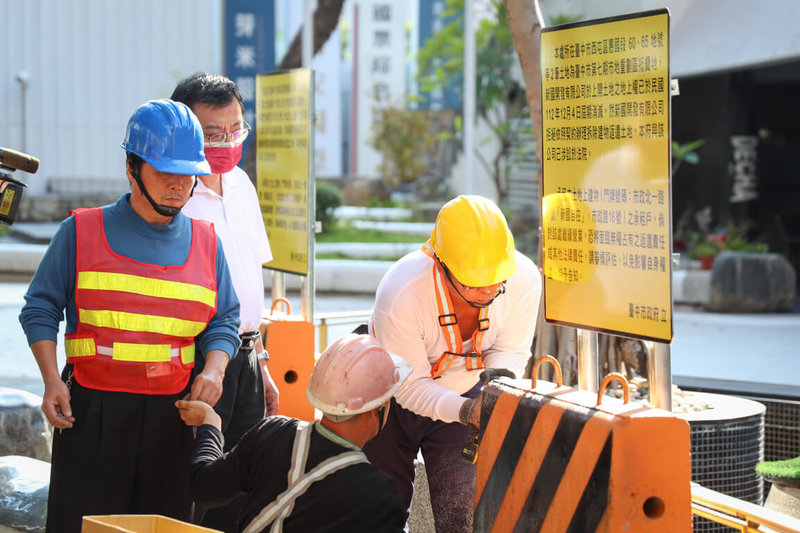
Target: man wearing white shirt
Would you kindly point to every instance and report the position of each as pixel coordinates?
(461, 310)
(227, 198)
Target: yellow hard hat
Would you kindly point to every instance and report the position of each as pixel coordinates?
(471, 237)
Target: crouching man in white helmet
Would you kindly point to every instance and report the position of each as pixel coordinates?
(303, 476)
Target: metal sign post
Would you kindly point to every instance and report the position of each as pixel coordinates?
(587, 360)
(659, 370)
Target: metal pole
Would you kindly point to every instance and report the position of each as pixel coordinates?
(23, 78)
(468, 123)
(659, 370)
(278, 286)
(587, 360)
(309, 288)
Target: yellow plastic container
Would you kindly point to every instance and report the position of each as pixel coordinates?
(143, 523)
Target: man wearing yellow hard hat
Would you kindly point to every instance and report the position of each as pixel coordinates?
(463, 305)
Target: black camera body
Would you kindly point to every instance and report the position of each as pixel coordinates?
(10, 188)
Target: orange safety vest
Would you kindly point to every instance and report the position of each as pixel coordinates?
(137, 322)
(449, 325)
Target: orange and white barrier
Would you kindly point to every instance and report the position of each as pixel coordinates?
(554, 459)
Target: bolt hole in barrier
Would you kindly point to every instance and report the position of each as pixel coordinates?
(290, 376)
(554, 458)
(654, 507)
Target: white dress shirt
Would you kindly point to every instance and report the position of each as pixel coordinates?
(237, 219)
(405, 319)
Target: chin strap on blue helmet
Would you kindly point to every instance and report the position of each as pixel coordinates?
(168, 136)
(161, 209)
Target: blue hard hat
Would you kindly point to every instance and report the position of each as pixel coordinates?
(168, 136)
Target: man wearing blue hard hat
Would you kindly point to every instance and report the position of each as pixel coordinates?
(143, 287)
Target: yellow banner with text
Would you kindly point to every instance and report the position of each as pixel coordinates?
(283, 133)
(606, 206)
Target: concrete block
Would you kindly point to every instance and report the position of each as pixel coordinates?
(21, 258)
(691, 287)
(24, 483)
(352, 212)
(352, 276)
(24, 430)
(340, 275)
(752, 283)
(423, 229)
(367, 250)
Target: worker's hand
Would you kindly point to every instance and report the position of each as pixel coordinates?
(470, 412)
(493, 373)
(207, 386)
(271, 393)
(195, 413)
(55, 404)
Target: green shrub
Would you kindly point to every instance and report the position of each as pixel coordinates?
(329, 197)
(374, 201)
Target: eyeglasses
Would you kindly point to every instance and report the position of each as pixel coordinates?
(455, 281)
(235, 137)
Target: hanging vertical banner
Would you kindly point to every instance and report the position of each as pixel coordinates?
(379, 68)
(249, 49)
(606, 206)
(328, 105)
(285, 107)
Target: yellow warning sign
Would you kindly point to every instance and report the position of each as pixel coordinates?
(606, 206)
(283, 107)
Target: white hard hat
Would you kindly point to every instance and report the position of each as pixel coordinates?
(354, 375)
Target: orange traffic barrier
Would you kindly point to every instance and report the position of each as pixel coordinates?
(290, 343)
(555, 459)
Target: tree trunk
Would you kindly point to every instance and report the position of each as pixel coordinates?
(326, 19)
(526, 23)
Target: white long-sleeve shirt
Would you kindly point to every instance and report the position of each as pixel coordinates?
(405, 321)
(240, 226)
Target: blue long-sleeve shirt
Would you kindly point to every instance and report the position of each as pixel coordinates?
(52, 290)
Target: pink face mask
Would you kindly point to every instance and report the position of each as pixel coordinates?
(222, 159)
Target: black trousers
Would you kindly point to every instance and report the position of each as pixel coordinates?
(241, 406)
(126, 454)
(451, 480)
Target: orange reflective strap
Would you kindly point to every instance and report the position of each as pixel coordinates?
(452, 333)
(442, 365)
(476, 363)
(447, 319)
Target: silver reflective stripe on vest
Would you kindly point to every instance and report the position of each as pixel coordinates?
(277, 511)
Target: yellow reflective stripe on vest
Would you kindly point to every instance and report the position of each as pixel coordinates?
(80, 347)
(125, 351)
(164, 325)
(187, 354)
(159, 288)
(142, 353)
